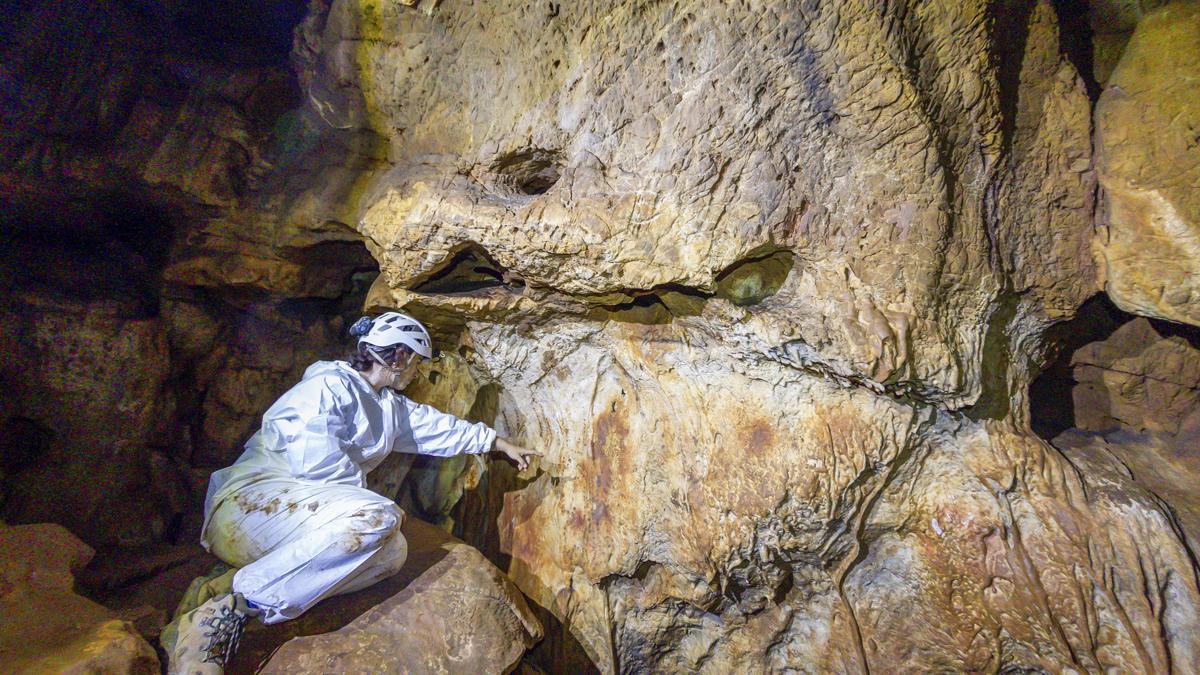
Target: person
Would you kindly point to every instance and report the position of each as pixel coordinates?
(293, 512)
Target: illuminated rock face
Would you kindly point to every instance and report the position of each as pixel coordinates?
(767, 285)
(1149, 166)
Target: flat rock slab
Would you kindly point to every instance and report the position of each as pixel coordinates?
(449, 610)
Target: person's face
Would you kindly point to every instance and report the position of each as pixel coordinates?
(403, 371)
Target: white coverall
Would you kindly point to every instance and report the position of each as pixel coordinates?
(294, 511)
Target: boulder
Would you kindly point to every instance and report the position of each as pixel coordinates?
(1136, 379)
(448, 610)
(47, 627)
(1148, 161)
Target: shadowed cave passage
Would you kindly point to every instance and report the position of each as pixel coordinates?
(1051, 407)
(470, 269)
(746, 282)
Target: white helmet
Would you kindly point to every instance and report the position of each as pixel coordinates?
(394, 328)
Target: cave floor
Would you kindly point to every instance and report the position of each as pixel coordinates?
(145, 584)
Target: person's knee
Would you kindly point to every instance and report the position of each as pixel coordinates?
(371, 526)
(393, 553)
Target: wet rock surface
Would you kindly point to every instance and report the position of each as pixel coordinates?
(46, 626)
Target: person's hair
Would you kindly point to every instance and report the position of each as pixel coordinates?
(361, 360)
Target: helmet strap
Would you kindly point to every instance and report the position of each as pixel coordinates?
(377, 357)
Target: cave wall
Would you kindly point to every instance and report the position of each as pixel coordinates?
(768, 283)
(1148, 160)
(162, 288)
(774, 471)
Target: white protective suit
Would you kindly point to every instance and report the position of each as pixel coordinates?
(294, 512)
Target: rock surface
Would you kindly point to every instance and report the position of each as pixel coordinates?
(768, 287)
(456, 613)
(448, 610)
(766, 283)
(1165, 466)
(1112, 23)
(1136, 379)
(169, 268)
(46, 626)
(1148, 161)
(1137, 406)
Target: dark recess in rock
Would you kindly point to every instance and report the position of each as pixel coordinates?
(469, 269)
(530, 172)
(1051, 409)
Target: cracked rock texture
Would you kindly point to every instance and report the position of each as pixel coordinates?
(767, 283)
(1148, 159)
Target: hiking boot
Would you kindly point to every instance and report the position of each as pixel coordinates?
(208, 636)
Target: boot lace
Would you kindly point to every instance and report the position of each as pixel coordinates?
(223, 637)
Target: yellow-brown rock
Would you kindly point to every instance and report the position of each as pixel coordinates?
(1005, 551)
(1113, 23)
(1148, 160)
(1136, 379)
(767, 285)
(47, 628)
(765, 282)
(449, 611)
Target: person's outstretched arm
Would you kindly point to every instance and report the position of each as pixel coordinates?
(443, 435)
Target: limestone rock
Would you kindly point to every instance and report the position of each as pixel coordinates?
(1005, 551)
(1149, 167)
(448, 610)
(47, 627)
(1165, 465)
(1113, 23)
(645, 154)
(461, 615)
(735, 270)
(161, 206)
(1136, 379)
(766, 283)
